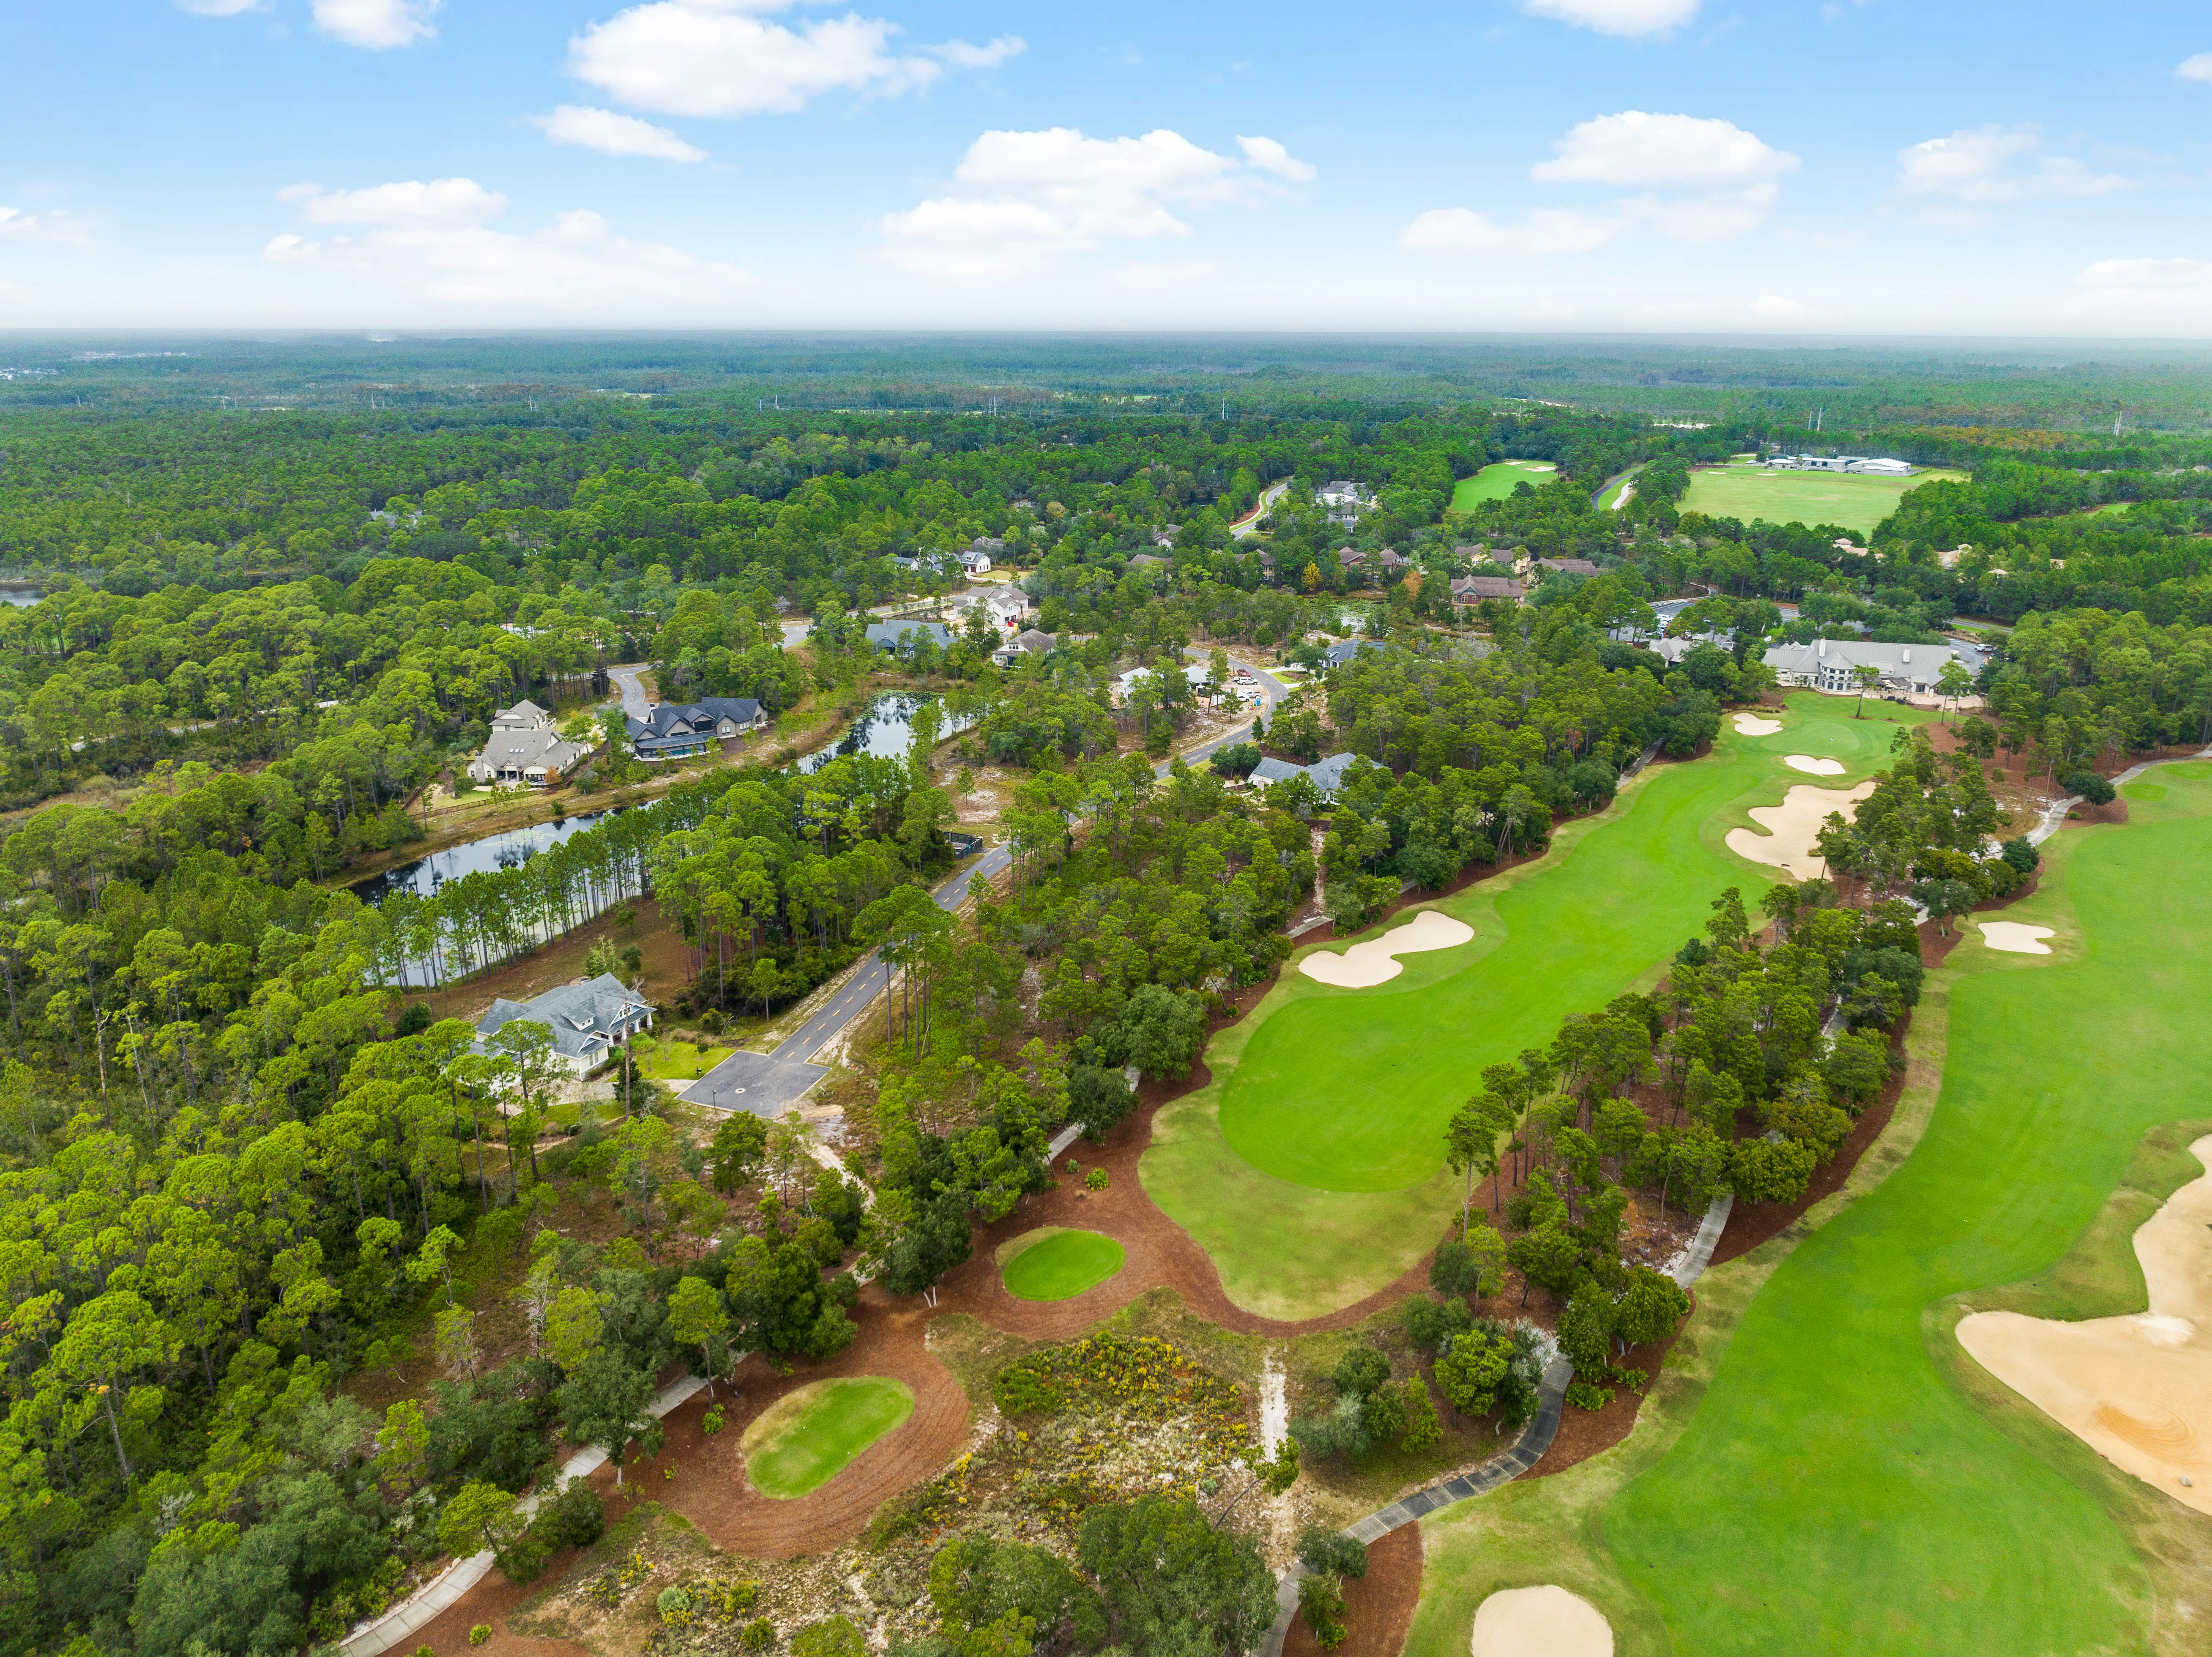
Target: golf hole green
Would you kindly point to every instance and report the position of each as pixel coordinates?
(805, 1439)
(1061, 1264)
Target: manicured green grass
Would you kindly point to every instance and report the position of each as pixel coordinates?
(1849, 1483)
(1747, 492)
(805, 1440)
(1061, 1265)
(1311, 1168)
(1348, 1090)
(681, 1062)
(1495, 483)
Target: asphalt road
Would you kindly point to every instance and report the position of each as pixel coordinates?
(768, 1084)
(625, 681)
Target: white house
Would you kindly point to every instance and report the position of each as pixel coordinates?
(1832, 664)
(1859, 464)
(588, 1019)
(524, 747)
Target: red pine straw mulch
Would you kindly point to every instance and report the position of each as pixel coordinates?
(1378, 1608)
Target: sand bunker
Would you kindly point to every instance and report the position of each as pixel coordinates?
(1792, 826)
(1546, 1622)
(2137, 1390)
(1805, 762)
(1752, 725)
(2015, 938)
(1365, 965)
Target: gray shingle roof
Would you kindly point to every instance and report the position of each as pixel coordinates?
(586, 1017)
(886, 635)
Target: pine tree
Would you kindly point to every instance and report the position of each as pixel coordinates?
(1423, 1430)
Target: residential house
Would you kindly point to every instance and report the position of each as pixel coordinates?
(1832, 664)
(683, 730)
(1166, 537)
(588, 1019)
(1473, 589)
(1003, 607)
(524, 748)
(975, 557)
(1567, 566)
(1194, 674)
(1325, 775)
(1341, 491)
(1338, 654)
(1146, 560)
(1030, 642)
(891, 636)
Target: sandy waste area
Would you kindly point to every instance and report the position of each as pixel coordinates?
(2015, 938)
(1806, 762)
(2137, 1389)
(1792, 826)
(1544, 1621)
(1752, 725)
(1366, 965)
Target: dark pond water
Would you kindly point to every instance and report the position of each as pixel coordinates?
(886, 730)
(506, 849)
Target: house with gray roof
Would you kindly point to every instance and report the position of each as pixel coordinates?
(1567, 566)
(1338, 654)
(901, 635)
(682, 731)
(1832, 664)
(589, 1019)
(524, 748)
(1325, 775)
(1473, 589)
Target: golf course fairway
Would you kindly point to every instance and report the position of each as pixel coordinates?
(807, 1438)
(1830, 1472)
(1312, 1168)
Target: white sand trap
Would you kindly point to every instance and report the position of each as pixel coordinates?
(1805, 762)
(1752, 725)
(1546, 1622)
(2137, 1390)
(2015, 938)
(1366, 965)
(1792, 826)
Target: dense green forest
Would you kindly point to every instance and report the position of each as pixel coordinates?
(273, 592)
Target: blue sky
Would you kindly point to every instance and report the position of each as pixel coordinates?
(1501, 165)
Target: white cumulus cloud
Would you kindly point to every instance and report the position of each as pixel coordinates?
(2198, 68)
(1021, 200)
(436, 238)
(1622, 17)
(377, 25)
(727, 58)
(1638, 150)
(1959, 176)
(1269, 156)
(614, 135)
(1699, 180)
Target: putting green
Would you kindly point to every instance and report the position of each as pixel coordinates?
(805, 1438)
(1840, 1444)
(1847, 501)
(1060, 1264)
(1495, 483)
